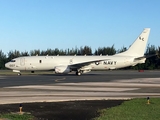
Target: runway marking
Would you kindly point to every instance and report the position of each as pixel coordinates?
(61, 91)
(112, 84)
(73, 88)
(60, 80)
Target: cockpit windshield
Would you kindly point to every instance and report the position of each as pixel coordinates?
(13, 61)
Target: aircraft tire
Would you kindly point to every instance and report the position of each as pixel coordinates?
(79, 73)
(19, 74)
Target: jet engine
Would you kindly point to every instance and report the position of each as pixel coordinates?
(62, 69)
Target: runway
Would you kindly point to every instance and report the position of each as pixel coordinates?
(96, 85)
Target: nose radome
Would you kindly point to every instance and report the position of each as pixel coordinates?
(7, 65)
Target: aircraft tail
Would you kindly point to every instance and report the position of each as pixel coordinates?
(139, 45)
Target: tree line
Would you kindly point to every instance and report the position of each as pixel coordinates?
(150, 64)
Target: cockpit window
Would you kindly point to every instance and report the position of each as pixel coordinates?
(13, 60)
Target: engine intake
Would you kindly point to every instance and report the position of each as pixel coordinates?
(62, 69)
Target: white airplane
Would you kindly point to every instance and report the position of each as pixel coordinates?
(82, 64)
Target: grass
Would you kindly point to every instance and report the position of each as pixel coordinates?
(16, 117)
(136, 109)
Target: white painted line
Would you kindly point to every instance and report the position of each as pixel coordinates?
(73, 88)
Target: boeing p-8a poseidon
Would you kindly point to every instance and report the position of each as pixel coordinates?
(82, 64)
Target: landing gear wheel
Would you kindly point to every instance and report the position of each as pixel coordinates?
(79, 73)
(19, 74)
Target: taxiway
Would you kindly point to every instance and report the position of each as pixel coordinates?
(96, 85)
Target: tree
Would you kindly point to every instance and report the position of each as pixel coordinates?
(24, 53)
(13, 54)
(123, 49)
(35, 52)
(158, 57)
(2, 60)
(105, 51)
(86, 50)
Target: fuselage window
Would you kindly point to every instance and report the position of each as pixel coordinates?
(13, 60)
(40, 61)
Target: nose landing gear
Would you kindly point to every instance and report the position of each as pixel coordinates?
(19, 74)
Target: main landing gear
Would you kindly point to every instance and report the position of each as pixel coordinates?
(79, 73)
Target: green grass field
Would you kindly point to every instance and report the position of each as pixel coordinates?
(136, 109)
(16, 117)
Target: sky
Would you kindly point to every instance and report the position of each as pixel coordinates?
(27, 25)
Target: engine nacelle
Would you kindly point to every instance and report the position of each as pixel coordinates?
(62, 69)
(85, 71)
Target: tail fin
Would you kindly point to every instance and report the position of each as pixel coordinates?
(139, 45)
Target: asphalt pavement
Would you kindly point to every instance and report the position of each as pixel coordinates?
(96, 85)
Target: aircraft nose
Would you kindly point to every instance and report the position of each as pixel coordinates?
(7, 65)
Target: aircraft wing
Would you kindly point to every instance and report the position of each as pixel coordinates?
(82, 64)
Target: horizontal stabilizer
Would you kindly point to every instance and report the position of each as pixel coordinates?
(145, 56)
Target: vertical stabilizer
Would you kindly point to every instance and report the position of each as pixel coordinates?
(139, 45)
